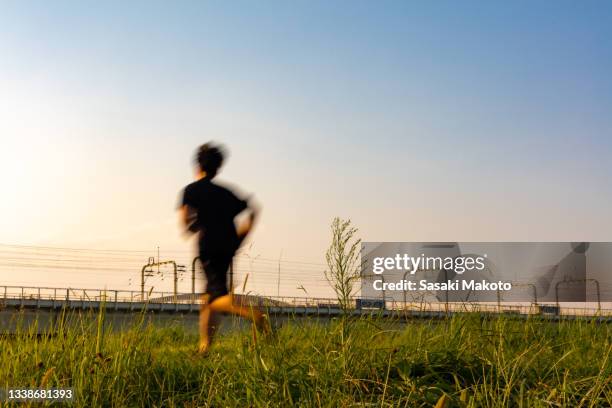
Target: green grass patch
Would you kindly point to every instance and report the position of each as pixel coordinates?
(476, 361)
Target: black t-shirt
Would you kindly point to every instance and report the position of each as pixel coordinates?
(216, 208)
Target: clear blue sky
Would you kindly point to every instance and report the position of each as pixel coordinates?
(418, 120)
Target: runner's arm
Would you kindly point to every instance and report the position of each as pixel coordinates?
(188, 217)
(247, 225)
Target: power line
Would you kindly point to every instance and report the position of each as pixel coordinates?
(135, 252)
(127, 263)
(75, 249)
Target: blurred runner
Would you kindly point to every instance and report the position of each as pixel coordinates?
(209, 209)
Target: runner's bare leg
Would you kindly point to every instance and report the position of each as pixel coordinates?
(226, 304)
(209, 322)
(209, 318)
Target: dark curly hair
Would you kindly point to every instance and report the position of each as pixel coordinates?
(210, 158)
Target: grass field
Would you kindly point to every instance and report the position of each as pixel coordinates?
(472, 360)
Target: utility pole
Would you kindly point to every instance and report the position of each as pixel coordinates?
(193, 275)
(150, 265)
(278, 279)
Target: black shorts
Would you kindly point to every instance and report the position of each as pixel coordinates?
(215, 268)
(216, 260)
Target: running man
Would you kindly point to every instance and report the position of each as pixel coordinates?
(209, 210)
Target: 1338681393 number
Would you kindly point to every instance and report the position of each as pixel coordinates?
(36, 394)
